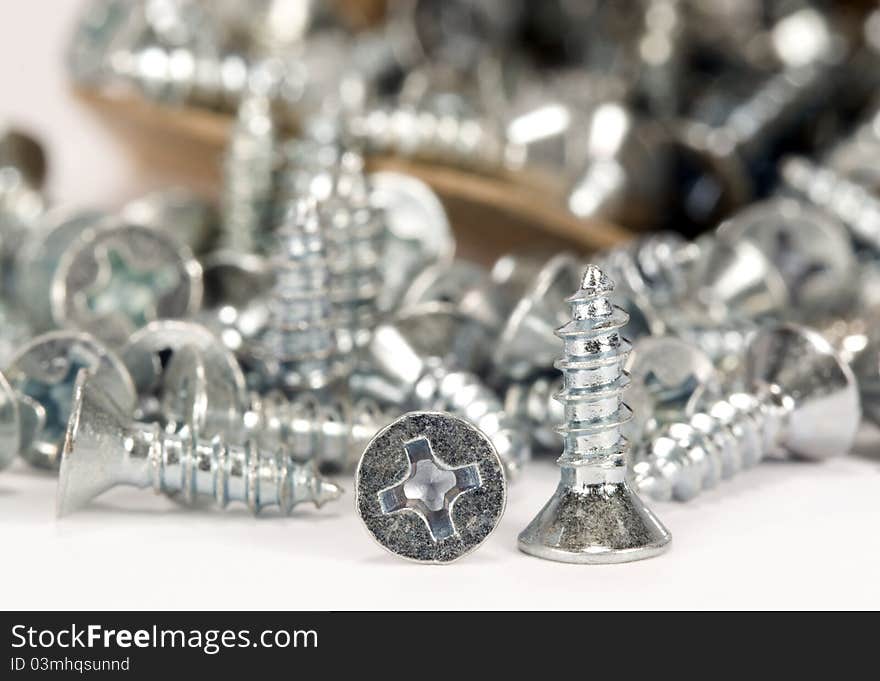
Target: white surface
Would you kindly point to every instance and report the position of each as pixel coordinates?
(780, 536)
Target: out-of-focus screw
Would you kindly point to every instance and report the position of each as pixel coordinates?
(430, 487)
(594, 516)
(193, 219)
(103, 448)
(118, 277)
(39, 256)
(802, 401)
(413, 365)
(42, 375)
(298, 349)
(354, 230)
(248, 176)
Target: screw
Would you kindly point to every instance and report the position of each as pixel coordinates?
(22, 171)
(248, 176)
(802, 401)
(332, 431)
(413, 364)
(102, 448)
(594, 516)
(354, 230)
(117, 277)
(417, 232)
(192, 218)
(298, 348)
(430, 487)
(41, 376)
(850, 202)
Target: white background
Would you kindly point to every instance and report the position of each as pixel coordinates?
(785, 535)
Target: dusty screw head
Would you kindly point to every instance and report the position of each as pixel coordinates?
(430, 487)
(43, 374)
(119, 277)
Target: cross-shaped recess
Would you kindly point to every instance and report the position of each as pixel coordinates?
(121, 285)
(430, 488)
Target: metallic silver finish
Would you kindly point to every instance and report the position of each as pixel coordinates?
(594, 516)
(430, 487)
(810, 250)
(417, 232)
(413, 368)
(802, 401)
(353, 229)
(190, 217)
(37, 260)
(10, 424)
(248, 176)
(118, 277)
(42, 374)
(446, 282)
(298, 349)
(854, 205)
(330, 430)
(103, 448)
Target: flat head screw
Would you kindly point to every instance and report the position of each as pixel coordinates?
(103, 448)
(298, 350)
(430, 487)
(594, 516)
(801, 401)
(42, 376)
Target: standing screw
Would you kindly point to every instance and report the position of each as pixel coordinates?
(353, 230)
(802, 401)
(594, 516)
(298, 348)
(248, 168)
(103, 449)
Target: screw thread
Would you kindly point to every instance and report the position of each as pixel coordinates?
(298, 348)
(783, 96)
(353, 229)
(533, 402)
(333, 433)
(687, 457)
(593, 376)
(850, 202)
(464, 394)
(182, 463)
(248, 176)
(419, 131)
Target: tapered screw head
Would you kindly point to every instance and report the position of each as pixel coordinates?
(430, 487)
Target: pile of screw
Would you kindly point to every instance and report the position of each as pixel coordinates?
(316, 319)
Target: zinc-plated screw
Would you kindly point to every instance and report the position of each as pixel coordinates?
(41, 376)
(354, 230)
(802, 401)
(414, 369)
(331, 431)
(102, 448)
(594, 516)
(248, 176)
(854, 204)
(298, 348)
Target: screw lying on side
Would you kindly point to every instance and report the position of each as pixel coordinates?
(330, 431)
(102, 448)
(802, 401)
(409, 368)
(594, 516)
